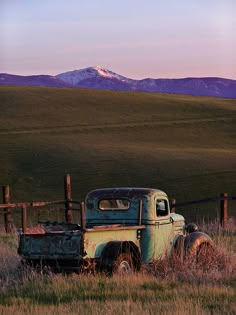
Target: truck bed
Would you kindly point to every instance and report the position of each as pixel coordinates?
(53, 241)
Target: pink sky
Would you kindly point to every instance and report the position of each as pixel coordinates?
(159, 39)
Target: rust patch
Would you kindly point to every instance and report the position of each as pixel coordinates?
(35, 230)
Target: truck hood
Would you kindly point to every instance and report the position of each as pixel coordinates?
(177, 217)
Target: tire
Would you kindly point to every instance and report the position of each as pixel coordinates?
(195, 243)
(205, 254)
(124, 264)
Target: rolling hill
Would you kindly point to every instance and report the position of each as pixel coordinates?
(183, 145)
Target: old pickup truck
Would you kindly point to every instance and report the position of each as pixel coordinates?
(120, 229)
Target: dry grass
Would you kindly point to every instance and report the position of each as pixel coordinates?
(168, 286)
(217, 268)
(9, 261)
(223, 237)
(137, 294)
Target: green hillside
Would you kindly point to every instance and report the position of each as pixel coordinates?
(183, 145)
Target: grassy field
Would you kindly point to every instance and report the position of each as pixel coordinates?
(183, 145)
(166, 287)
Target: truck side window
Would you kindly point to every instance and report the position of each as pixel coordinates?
(161, 207)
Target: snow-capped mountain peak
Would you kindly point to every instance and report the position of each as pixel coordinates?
(103, 72)
(76, 76)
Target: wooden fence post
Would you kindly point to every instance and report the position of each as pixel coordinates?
(173, 203)
(7, 211)
(68, 204)
(223, 209)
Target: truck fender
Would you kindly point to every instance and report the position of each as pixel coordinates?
(194, 241)
(113, 249)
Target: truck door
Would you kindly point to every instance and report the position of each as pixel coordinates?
(163, 227)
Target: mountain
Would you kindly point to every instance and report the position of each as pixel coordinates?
(33, 80)
(97, 78)
(217, 87)
(101, 78)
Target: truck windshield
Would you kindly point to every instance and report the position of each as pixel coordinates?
(114, 204)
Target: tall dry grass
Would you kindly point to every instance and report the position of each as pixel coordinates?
(136, 294)
(168, 286)
(218, 266)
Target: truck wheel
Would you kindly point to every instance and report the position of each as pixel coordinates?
(205, 254)
(124, 264)
(197, 246)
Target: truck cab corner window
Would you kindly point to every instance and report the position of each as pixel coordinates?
(161, 208)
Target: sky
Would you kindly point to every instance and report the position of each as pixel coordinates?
(135, 38)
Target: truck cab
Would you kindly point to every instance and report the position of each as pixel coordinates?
(142, 214)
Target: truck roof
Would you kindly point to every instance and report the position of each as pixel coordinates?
(129, 192)
(125, 216)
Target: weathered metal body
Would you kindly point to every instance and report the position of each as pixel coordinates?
(154, 237)
(117, 221)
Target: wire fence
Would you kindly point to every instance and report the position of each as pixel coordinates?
(71, 210)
